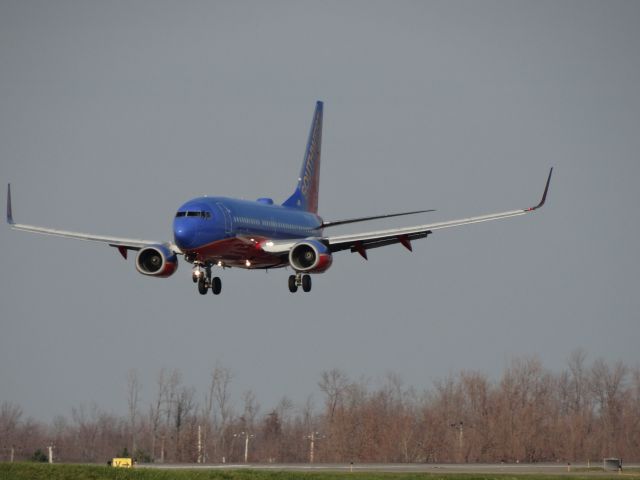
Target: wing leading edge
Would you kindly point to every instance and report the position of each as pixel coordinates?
(123, 244)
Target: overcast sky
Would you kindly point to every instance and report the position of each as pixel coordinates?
(112, 114)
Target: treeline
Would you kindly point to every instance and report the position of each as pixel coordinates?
(586, 412)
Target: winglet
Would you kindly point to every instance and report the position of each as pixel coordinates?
(9, 211)
(544, 195)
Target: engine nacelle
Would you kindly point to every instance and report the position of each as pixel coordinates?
(157, 261)
(310, 256)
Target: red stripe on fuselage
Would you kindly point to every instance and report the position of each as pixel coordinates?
(235, 252)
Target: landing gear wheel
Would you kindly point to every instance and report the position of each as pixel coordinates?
(306, 283)
(216, 286)
(202, 287)
(293, 286)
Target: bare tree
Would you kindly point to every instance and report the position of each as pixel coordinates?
(10, 414)
(271, 433)
(220, 394)
(173, 385)
(528, 414)
(183, 408)
(87, 429)
(251, 408)
(607, 385)
(632, 416)
(333, 383)
(207, 418)
(133, 394)
(156, 411)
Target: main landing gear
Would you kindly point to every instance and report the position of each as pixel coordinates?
(299, 280)
(204, 280)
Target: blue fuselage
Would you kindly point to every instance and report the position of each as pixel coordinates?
(230, 231)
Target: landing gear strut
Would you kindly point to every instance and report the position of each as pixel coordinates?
(205, 281)
(299, 280)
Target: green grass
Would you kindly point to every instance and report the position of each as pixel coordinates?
(38, 471)
(625, 471)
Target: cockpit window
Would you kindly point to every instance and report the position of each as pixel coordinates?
(202, 214)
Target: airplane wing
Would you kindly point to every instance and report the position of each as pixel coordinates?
(122, 244)
(361, 242)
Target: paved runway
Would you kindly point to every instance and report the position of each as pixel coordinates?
(519, 468)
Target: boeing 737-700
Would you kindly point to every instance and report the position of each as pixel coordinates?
(226, 232)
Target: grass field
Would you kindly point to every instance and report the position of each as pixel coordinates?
(38, 471)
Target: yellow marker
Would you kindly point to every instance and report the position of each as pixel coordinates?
(122, 463)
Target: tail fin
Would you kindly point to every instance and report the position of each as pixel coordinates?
(305, 196)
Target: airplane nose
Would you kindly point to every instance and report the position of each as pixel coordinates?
(184, 236)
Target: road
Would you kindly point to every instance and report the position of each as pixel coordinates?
(518, 468)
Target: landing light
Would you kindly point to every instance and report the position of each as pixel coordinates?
(247, 263)
(269, 243)
(219, 263)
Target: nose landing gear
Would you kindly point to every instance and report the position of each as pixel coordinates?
(205, 281)
(299, 280)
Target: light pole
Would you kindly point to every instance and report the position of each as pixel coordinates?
(246, 436)
(312, 437)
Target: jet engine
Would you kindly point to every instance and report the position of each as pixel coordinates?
(310, 256)
(156, 261)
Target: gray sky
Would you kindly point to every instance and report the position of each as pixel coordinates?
(114, 113)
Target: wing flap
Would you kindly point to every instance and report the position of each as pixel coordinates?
(376, 243)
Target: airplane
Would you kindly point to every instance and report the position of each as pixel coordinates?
(227, 232)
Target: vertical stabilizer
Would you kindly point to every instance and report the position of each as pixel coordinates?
(305, 196)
